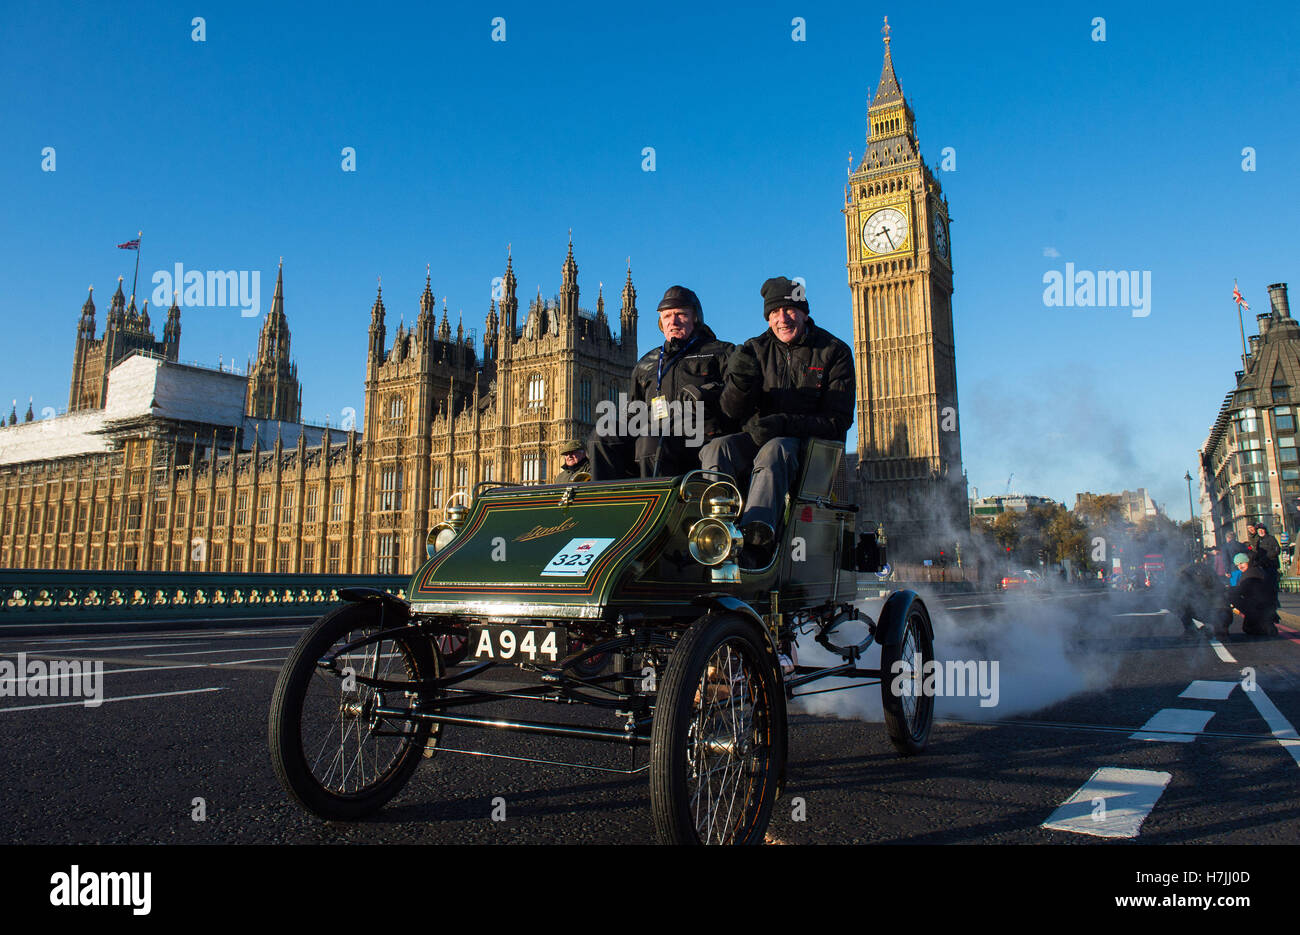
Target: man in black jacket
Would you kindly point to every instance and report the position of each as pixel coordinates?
(1266, 554)
(672, 409)
(792, 382)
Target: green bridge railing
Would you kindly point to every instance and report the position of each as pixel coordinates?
(46, 597)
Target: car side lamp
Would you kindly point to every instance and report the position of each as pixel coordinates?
(714, 540)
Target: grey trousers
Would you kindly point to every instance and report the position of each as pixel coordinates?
(773, 467)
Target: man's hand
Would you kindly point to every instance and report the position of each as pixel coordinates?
(763, 429)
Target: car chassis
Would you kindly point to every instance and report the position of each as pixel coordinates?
(697, 674)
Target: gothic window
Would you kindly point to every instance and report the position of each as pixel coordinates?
(286, 506)
(220, 518)
(390, 492)
(133, 513)
(536, 391)
(260, 560)
(387, 554)
(487, 470)
(534, 468)
(336, 504)
(462, 480)
(283, 563)
(264, 507)
(394, 414)
(308, 558)
(435, 495)
(334, 564)
(584, 399)
(309, 509)
(200, 509)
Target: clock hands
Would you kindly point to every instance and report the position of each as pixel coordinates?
(885, 231)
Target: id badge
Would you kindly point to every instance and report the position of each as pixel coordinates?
(659, 408)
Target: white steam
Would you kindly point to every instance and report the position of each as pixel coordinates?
(1028, 636)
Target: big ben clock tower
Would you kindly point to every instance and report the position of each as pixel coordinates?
(900, 277)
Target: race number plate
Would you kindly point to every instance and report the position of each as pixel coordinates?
(574, 560)
(509, 643)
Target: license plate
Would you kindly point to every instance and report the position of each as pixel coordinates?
(511, 643)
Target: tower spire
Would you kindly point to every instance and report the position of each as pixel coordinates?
(888, 90)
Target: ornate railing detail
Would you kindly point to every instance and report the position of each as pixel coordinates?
(32, 597)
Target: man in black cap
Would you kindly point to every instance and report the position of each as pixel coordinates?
(792, 382)
(574, 462)
(684, 373)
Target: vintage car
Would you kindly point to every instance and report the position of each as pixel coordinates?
(548, 578)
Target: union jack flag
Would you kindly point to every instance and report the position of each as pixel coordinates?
(130, 245)
(1236, 296)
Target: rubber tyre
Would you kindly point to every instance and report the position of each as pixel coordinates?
(908, 718)
(310, 711)
(721, 686)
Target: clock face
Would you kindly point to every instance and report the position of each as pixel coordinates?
(885, 231)
(940, 237)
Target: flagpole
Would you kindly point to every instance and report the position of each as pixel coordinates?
(140, 236)
(1239, 323)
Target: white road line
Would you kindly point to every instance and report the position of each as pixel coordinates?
(1219, 649)
(232, 649)
(1113, 803)
(188, 665)
(1174, 725)
(1280, 727)
(1154, 613)
(92, 649)
(1201, 690)
(82, 703)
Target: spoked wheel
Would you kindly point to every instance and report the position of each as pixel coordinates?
(909, 712)
(329, 747)
(718, 737)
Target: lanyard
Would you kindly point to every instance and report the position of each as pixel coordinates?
(659, 377)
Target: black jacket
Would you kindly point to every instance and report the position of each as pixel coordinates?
(1253, 596)
(694, 373)
(1266, 551)
(804, 390)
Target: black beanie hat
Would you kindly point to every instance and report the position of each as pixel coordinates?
(779, 292)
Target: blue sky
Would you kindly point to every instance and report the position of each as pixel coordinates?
(1117, 155)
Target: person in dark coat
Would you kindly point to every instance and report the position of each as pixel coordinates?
(686, 371)
(1199, 594)
(792, 382)
(1252, 598)
(1266, 555)
(575, 465)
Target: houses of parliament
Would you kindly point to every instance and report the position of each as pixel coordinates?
(163, 466)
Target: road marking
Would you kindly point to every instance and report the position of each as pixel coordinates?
(1174, 725)
(1219, 649)
(1154, 613)
(1281, 728)
(1126, 799)
(82, 703)
(232, 649)
(1208, 691)
(91, 649)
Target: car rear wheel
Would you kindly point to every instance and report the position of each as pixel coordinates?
(909, 711)
(330, 749)
(718, 736)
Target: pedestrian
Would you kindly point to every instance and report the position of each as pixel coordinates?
(1266, 554)
(1252, 598)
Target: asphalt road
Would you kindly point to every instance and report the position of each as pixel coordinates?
(181, 734)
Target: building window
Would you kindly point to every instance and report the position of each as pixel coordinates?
(241, 509)
(584, 399)
(65, 522)
(390, 488)
(157, 558)
(534, 468)
(487, 470)
(237, 557)
(336, 504)
(284, 558)
(536, 391)
(133, 518)
(1284, 422)
(435, 496)
(260, 560)
(264, 507)
(334, 557)
(462, 479)
(286, 506)
(81, 518)
(220, 518)
(309, 509)
(201, 510)
(214, 556)
(308, 558)
(178, 557)
(387, 554)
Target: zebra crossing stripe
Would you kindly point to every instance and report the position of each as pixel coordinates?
(1113, 803)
